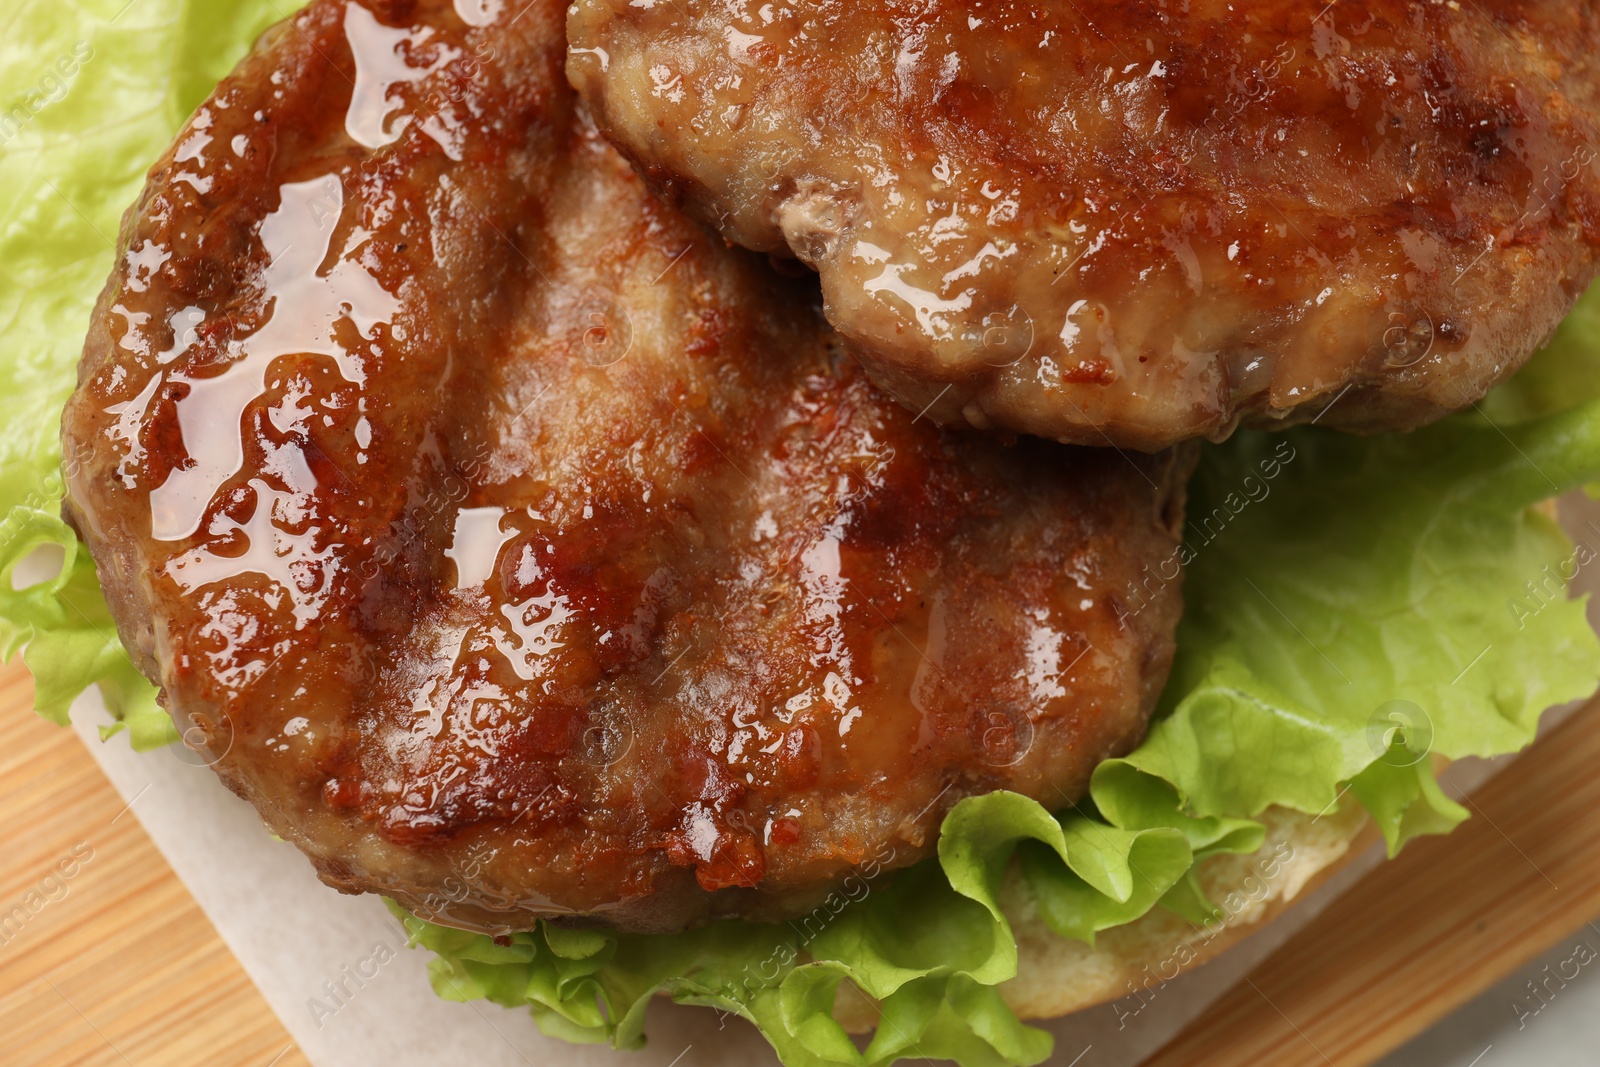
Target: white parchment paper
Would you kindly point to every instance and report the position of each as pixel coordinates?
(336, 970)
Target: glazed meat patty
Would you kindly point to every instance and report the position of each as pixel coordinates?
(1136, 223)
(518, 549)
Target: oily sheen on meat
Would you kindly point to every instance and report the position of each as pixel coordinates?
(518, 549)
(1137, 223)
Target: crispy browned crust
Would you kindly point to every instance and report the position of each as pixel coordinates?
(1135, 223)
(518, 549)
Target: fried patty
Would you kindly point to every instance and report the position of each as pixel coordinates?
(1136, 223)
(518, 549)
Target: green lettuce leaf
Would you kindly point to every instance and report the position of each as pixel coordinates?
(1369, 579)
(1355, 608)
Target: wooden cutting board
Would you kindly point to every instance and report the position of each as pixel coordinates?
(109, 961)
(115, 964)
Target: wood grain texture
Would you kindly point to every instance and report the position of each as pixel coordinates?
(123, 968)
(1422, 935)
(113, 963)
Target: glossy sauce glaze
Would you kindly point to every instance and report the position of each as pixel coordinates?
(518, 549)
(1136, 223)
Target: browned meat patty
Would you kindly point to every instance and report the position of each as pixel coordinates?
(1136, 223)
(519, 549)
